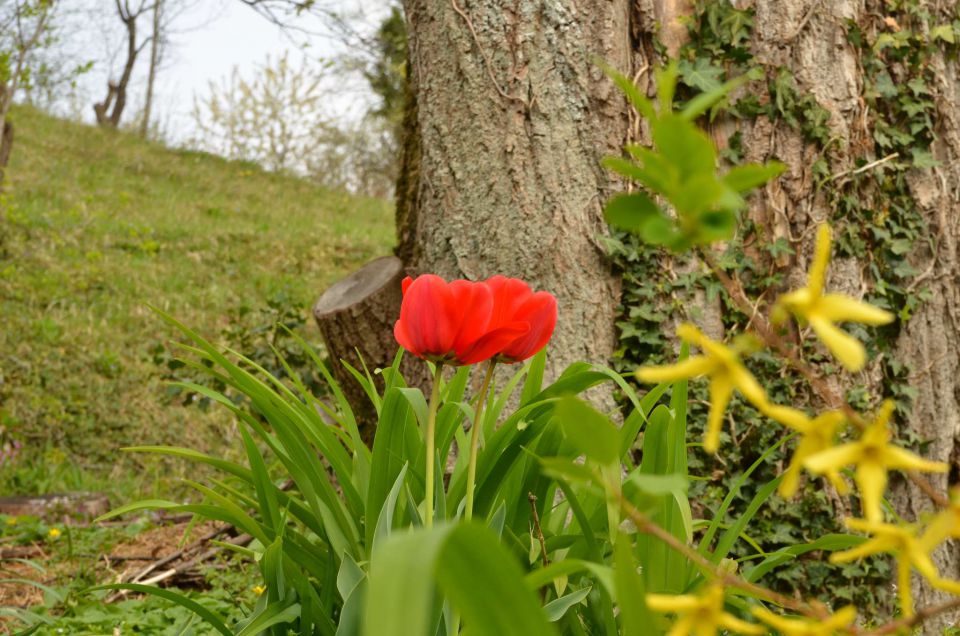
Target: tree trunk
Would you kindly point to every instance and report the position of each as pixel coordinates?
(154, 62)
(110, 110)
(513, 119)
(930, 342)
(6, 147)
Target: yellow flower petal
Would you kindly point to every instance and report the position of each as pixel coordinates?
(840, 308)
(743, 627)
(791, 478)
(689, 368)
(720, 391)
(943, 526)
(682, 626)
(895, 457)
(844, 347)
(871, 480)
(947, 585)
(903, 587)
(821, 258)
(789, 417)
(744, 381)
(673, 603)
(838, 481)
(688, 332)
(834, 458)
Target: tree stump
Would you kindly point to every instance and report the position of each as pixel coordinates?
(355, 314)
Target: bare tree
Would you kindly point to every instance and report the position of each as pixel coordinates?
(111, 108)
(155, 42)
(23, 25)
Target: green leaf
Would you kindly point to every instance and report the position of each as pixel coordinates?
(653, 484)
(635, 616)
(685, 146)
(942, 32)
(589, 431)
(701, 74)
(630, 211)
(829, 543)
(630, 90)
(752, 175)
(556, 608)
(273, 614)
(476, 574)
(207, 615)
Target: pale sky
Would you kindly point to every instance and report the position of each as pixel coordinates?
(208, 39)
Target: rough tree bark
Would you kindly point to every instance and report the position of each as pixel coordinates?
(931, 341)
(513, 118)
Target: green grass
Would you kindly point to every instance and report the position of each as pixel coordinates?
(94, 226)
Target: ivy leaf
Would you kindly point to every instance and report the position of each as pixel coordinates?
(924, 159)
(942, 32)
(701, 74)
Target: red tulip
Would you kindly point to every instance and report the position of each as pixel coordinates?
(451, 322)
(513, 302)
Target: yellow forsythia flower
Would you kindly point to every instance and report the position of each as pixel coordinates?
(726, 372)
(53, 533)
(903, 543)
(259, 589)
(873, 456)
(945, 525)
(816, 435)
(701, 615)
(805, 626)
(821, 311)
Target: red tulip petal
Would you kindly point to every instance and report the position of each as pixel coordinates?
(508, 295)
(472, 305)
(403, 338)
(541, 313)
(492, 343)
(405, 284)
(426, 318)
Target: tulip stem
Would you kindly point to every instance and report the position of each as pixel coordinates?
(475, 440)
(432, 442)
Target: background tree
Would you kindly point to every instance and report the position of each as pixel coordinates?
(156, 41)
(110, 110)
(24, 26)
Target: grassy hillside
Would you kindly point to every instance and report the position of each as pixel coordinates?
(94, 226)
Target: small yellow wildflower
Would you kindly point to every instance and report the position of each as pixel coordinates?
(821, 311)
(259, 589)
(702, 615)
(816, 435)
(873, 456)
(903, 543)
(795, 626)
(11, 521)
(726, 372)
(945, 525)
(54, 533)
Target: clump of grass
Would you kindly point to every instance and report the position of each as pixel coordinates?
(94, 225)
